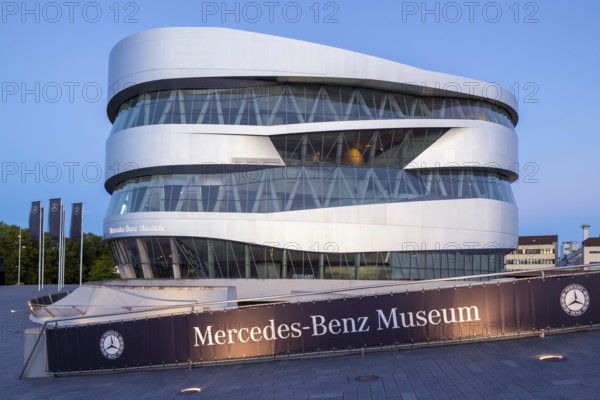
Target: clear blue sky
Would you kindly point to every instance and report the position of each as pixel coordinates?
(54, 69)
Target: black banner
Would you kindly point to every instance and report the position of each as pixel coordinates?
(76, 220)
(54, 218)
(34, 220)
(478, 311)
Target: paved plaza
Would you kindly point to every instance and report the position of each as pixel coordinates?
(492, 370)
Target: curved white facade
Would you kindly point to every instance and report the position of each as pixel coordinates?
(176, 53)
(236, 154)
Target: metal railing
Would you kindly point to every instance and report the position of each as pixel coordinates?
(526, 274)
(540, 273)
(48, 299)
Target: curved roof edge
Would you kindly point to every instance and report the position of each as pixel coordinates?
(165, 54)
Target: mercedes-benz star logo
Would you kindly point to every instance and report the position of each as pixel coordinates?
(35, 209)
(54, 207)
(76, 211)
(575, 300)
(112, 345)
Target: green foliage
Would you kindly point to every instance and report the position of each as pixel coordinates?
(103, 269)
(94, 249)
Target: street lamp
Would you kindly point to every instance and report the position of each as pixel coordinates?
(19, 268)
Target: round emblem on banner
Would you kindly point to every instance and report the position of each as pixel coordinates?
(76, 211)
(575, 299)
(34, 210)
(112, 345)
(54, 207)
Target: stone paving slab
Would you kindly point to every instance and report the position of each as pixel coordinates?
(493, 370)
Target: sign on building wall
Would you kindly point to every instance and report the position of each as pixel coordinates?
(481, 311)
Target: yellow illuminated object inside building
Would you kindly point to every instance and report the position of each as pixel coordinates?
(353, 156)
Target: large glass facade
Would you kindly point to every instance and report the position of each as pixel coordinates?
(277, 104)
(209, 258)
(323, 169)
(394, 148)
(301, 188)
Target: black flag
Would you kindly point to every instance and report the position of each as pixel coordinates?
(54, 218)
(34, 220)
(76, 220)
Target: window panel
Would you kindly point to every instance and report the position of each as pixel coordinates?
(293, 104)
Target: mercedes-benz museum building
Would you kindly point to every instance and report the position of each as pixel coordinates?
(242, 155)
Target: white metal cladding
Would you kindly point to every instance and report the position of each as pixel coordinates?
(428, 225)
(171, 145)
(470, 143)
(481, 145)
(179, 53)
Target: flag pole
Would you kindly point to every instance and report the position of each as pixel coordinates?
(41, 212)
(58, 271)
(61, 248)
(64, 247)
(43, 244)
(19, 271)
(81, 250)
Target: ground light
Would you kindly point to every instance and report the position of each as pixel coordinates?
(189, 391)
(552, 357)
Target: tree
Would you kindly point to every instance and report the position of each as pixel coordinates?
(94, 248)
(9, 250)
(103, 269)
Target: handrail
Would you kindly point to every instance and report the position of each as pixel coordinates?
(329, 291)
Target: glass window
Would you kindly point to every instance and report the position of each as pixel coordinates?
(293, 104)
